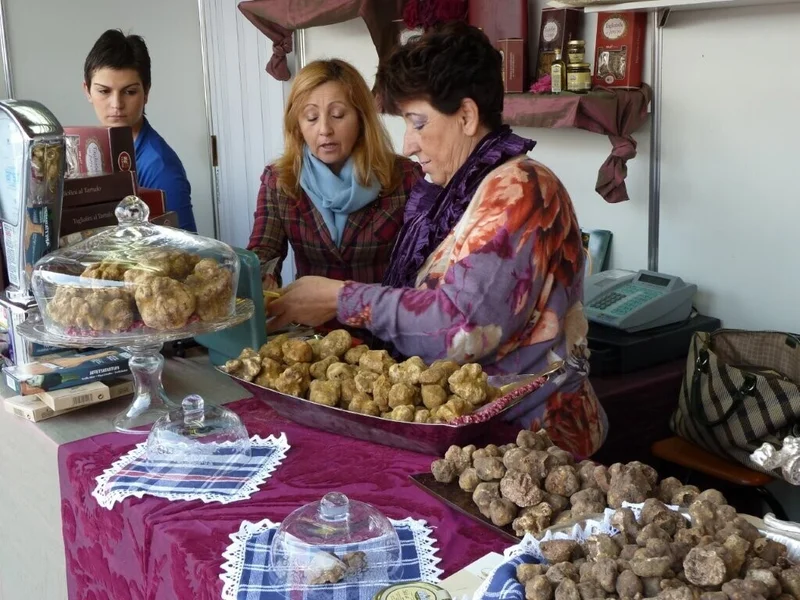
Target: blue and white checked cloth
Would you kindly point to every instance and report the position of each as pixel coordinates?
(225, 480)
(246, 575)
(502, 583)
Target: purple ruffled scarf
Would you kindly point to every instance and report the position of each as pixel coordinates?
(432, 211)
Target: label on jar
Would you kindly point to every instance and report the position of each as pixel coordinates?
(579, 82)
(413, 591)
(576, 56)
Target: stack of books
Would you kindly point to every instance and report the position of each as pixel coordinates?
(64, 382)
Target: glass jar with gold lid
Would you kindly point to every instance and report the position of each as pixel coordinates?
(576, 51)
(579, 78)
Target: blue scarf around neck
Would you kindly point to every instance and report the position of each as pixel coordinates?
(335, 196)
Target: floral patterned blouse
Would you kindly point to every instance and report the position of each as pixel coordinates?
(504, 289)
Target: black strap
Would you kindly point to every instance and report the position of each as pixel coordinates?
(695, 398)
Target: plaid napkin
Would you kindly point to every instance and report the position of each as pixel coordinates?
(225, 479)
(246, 575)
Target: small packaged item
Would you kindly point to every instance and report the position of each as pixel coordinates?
(513, 53)
(99, 151)
(32, 155)
(619, 49)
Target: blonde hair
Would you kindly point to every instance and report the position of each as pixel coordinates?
(372, 153)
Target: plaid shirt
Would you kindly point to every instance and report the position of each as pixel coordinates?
(367, 240)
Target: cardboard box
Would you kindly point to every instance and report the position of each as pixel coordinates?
(559, 26)
(168, 219)
(619, 49)
(84, 395)
(156, 201)
(20, 350)
(98, 190)
(513, 53)
(92, 216)
(34, 409)
(502, 20)
(99, 151)
(66, 372)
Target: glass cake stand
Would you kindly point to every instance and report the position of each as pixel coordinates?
(150, 401)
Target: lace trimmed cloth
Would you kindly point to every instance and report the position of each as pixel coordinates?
(227, 479)
(246, 573)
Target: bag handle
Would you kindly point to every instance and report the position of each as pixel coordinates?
(695, 403)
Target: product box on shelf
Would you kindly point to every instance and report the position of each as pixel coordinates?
(99, 150)
(559, 26)
(513, 53)
(100, 189)
(66, 371)
(619, 49)
(33, 408)
(502, 20)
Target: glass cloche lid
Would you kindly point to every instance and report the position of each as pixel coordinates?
(136, 279)
(335, 540)
(196, 433)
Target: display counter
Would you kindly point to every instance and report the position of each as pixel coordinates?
(33, 564)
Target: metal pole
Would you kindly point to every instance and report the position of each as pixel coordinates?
(209, 117)
(9, 80)
(300, 48)
(654, 203)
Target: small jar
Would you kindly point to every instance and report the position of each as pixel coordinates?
(579, 78)
(576, 51)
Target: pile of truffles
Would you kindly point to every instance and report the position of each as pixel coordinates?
(534, 484)
(164, 290)
(718, 556)
(331, 371)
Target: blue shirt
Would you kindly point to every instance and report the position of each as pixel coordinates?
(158, 167)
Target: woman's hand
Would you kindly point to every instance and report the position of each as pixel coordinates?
(309, 301)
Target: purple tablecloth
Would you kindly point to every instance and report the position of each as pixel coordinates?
(157, 549)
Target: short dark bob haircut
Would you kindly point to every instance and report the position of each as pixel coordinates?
(444, 66)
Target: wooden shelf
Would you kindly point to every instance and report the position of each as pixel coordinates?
(654, 5)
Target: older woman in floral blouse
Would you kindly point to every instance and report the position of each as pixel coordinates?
(488, 266)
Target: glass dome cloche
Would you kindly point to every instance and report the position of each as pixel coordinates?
(334, 540)
(135, 279)
(197, 433)
(136, 286)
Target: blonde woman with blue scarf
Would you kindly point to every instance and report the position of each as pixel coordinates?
(339, 192)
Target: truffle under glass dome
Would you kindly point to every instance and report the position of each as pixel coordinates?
(136, 286)
(331, 541)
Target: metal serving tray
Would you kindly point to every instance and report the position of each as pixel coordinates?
(426, 438)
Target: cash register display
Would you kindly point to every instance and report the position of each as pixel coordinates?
(638, 301)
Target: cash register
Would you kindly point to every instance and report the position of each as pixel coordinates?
(639, 319)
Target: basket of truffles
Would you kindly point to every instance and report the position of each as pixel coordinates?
(135, 280)
(331, 384)
(650, 550)
(531, 485)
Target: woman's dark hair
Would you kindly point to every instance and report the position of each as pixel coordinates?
(115, 50)
(444, 66)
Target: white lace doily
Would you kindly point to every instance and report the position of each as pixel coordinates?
(107, 496)
(234, 555)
